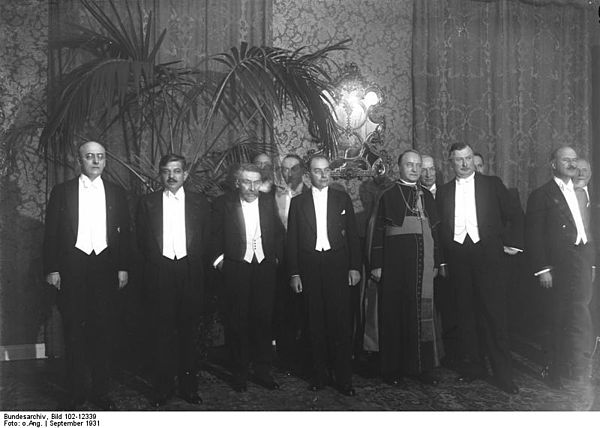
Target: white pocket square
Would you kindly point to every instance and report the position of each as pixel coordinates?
(343, 212)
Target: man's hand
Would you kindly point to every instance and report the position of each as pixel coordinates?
(123, 278)
(353, 277)
(296, 284)
(376, 274)
(53, 278)
(510, 251)
(443, 271)
(546, 279)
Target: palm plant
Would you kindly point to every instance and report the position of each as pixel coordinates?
(156, 108)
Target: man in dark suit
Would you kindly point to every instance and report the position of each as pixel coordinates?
(479, 163)
(445, 296)
(173, 233)
(323, 255)
(480, 223)
(561, 253)
(289, 320)
(248, 240)
(86, 248)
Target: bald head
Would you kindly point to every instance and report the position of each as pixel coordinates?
(564, 163)
(262, 160)
(584, 173)
(92, 159)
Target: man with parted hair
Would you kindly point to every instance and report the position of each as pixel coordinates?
(247, 247)
(480, 223)
(445, 297)
(323, 257)
(265, 163)
(479, 163)
(428, 177)
(86, 258)
(289, 320)
(560, 246)
(292, 171)
(173, 233)
(405, 259)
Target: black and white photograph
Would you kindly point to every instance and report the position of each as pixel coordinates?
(221, 210)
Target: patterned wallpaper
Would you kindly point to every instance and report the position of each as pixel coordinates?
(23, 64)
(381, 31)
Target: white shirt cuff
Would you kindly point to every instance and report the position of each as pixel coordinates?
(542, 271)
(218, 260)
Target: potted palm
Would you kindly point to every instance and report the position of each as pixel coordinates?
(119, 93)
(215, 117)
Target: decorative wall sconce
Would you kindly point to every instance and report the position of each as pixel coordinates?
(356, 104)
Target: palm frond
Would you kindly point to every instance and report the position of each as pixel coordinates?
(160, 108)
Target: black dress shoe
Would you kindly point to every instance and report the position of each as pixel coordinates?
(71, 403)
(105, 403)
(469, 377)
(160, 399)
(508, 386)
(240, 386)
(316, 385)
(267, 382)
(347, 390)
(427, 378)
(392, 380)
(554, 383)
(191, 397)
(551, 378)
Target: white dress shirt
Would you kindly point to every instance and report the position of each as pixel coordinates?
(433, 189)
(253, 232)
(91, 227)
(465, 211)
(587, 193)
(569, 193)
(283, 198)
(320, 201)
(174, 233)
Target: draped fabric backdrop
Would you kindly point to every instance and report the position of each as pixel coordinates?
(511, 78)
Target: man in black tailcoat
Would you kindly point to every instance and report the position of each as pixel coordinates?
(86, 258)
(173, 233)
(480, 223)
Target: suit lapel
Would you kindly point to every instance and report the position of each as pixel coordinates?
(262, 216)
(451, 205)
(190, 221)
(235, 206)
(110, 204)
(72, 203)
(480, 195)
(155, 213)
(332, 208)
(558, 198)
(309, 211)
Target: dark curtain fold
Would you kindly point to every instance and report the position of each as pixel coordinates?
(511, 78)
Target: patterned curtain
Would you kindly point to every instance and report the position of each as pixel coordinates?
(511, 78)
